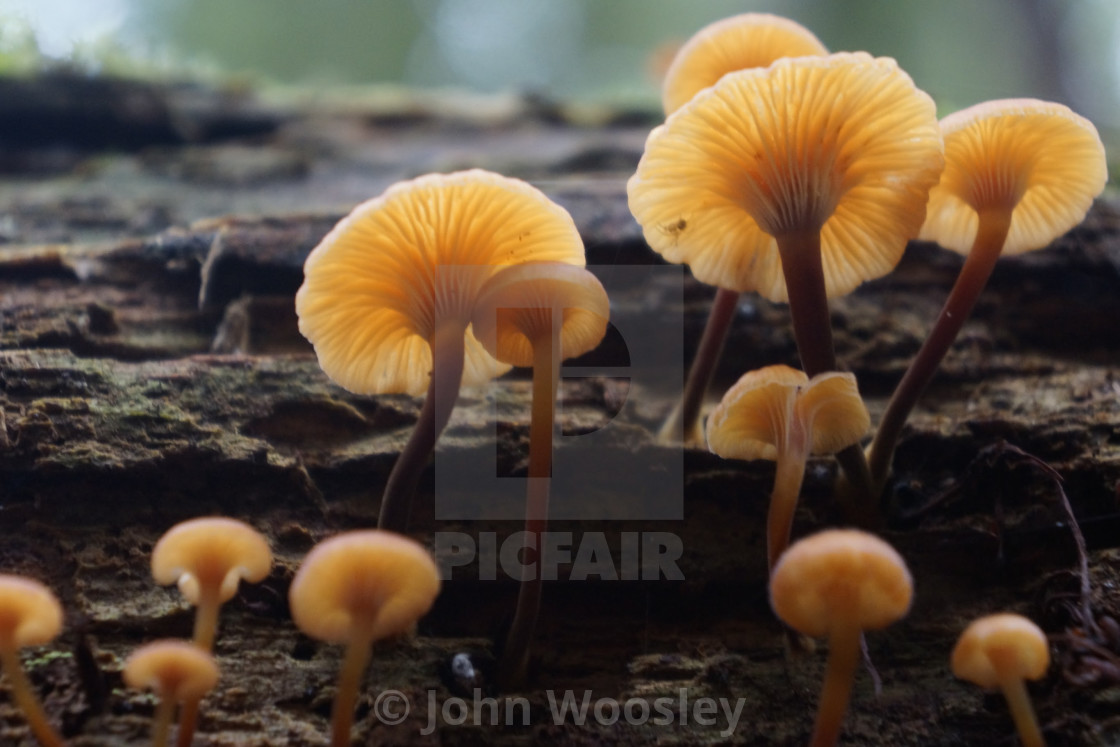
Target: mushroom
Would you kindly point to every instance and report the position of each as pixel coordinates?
(207, 558)
(748, 40)
(178, 671)
(357, 588)
(387, 295)
(839, 583)
(799, 181)
(538, 314)
(1001, 651)
(30, 615)
(1018, 174)
(779, 413)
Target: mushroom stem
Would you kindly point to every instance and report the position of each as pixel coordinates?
(843, 659)
(789, 473)
(161, 722)
(354, 664)
(990, 236)
(27, 700)
(188, 721)
(683, 425)
(448, 350)
(206, 616)
(546, 381)
(1019, 702)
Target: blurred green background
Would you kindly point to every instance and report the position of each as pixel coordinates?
(961, 51)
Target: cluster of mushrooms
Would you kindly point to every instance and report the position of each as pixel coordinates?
(781, 169)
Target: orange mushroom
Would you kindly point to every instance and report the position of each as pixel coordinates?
(178, 671)
(357, 588)
(1001, 651)
(799, 181)
(839, 583)
(387, 295)
(748, 40)
(779, 413)
(1018, 174)
(30, 615)
(538, 314)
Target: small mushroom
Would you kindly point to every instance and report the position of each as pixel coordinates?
(30, 615)
(779, 413)
(839, 583)
(387, 295)
(1018, 174)
(748, 40)
(178, 671)
(538, 314)
(357, 588)
(800, 181)
(1001, 651)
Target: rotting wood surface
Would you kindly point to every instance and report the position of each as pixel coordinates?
(151, 371)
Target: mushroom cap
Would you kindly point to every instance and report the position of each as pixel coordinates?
(840, 575)
(371, 583)
(515, 308)
(1039, 159)
(844, 144)
(30, 614)
(736, 43)
(377, 284)
(178, 670)
(1000, 646)
(213, 551)
(754, 416)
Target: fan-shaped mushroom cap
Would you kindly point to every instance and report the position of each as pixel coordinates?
(845, 144)
(214, 551)
(754, 416)
(30, 614)
(515, 307)
(376, 286)
(177, 670)
(373, 581)
(1038, 158)
(840, 574)
(997, 647)
(736, 43)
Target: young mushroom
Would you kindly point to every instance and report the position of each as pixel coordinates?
(1018, 174)
(208, 558)
(387, 295)
(779, 413)
(839, 583)
(178, 671)
(748, 40)
(799, 181)
(1001, 651)
(538, 314)
(357, 588)
(30, 615)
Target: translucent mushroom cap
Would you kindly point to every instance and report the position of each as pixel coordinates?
(370, 583)
(1036, 158)
(736, 43)
(754, 418)
(378, 283)
(177, 670)
(999, 647)
(844, 144)
(516, 307)
(212, 552)
(30, 614)
(840, 576)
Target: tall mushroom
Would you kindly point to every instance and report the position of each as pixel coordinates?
(799, 181)
(538, 314)
(779, 413)
(388, 293)
(839, 583)
(30, 615)
(1018, 174)
(357, 588)
(748, 40)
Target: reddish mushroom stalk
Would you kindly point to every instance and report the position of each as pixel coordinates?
(358, 652)
(836, 692)
(25, 698)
